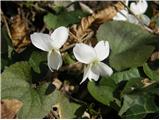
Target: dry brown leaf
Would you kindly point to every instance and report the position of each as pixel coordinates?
(83, 32)
(19, 33)
(99, 17)
(147, 82)
(57, 83)
(155, 56)
(9, 108)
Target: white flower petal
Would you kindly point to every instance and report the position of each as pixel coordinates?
(146, 20)
(132, 19)
(84, 53)
(139, 8)
(41, 41)
(88, 73)
(92, 75)
(59, 37)
(54, 60)
(126, 2)
(122, 15)
(102, 50)
(102, 69)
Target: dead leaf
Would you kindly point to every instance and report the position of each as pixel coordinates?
(83, 31)
(155, 56)
(57, 83)
(19, 33)
(147, 82)
(9, 108)
(99, 17)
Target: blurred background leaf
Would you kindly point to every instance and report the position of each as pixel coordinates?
(63, 19)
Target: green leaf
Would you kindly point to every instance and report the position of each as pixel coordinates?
(103, 91)
(130, 44)
(68, 59)
(125, 75)
(17, 83)
(36, 59)
(153, 75)
(67, 109)
(137, 106)
(138, 101)
(132, 85)
(64, 19)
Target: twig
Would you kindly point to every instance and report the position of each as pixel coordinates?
(34, 6)
(76, 100)
(6, 24)
(43, 29)
(73, 36)
(70, 46)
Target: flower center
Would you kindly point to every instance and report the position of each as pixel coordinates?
(95, 62)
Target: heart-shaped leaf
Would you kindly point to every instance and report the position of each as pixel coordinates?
(103, 91)
(130, 44)
(17, 84)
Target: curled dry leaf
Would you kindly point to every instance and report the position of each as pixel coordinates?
(99, 17)
(9, 108)
(19, 33)
(82, 32)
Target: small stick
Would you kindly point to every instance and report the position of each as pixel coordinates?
(6, 24)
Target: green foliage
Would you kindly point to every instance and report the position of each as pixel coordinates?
(132, 85)
(137, 106)
(130, 44)
(103, 91)
(125, 75)
(36, 59)
(153, 75)
(66, 107)
(137, 100)
(126, 92)
(64, 19)
(17, 83)
(68, 59)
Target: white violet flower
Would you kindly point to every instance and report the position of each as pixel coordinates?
(51, 43)
(93, 57)
(139, 9)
